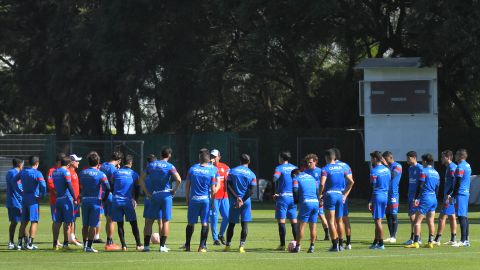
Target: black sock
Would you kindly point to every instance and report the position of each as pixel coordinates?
(430, 238)
(20, 241)
(415, 238)
(294, 230)
(89, 243)
(109, 241)
(282, 231)
(453, 237)
(325, 230)
(312, 244)
(340, 242)
(390, 223)
(204, 236)
(411, 236)
(243, 235)
(468, 229)
(136, 232)
(146, 240)
(375, 241)
(54, 243)
(230, 229)
(380, 242)
(30, 241)
(463, 228)
(121, 233)
(394, 225)
(335, 243)
(163, 239)
(349, 238)
(65, 243)
(188, 235)
(437, 237)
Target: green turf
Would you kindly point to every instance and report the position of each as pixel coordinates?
(262, 239)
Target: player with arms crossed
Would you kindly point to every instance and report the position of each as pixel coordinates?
(448, 209)
(72, 167)
(334, 193)
(93, 183)
(315, 172)
(160, 194)
(14, 199)
(241, 182)
(306, 195)
(285, 208)
(393, 195)
(221, 203)
(51, 188)
(414, 172)
(380, 177)
(425, 200)
(200, 188)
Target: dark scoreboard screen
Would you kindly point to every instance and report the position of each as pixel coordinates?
(400, 97)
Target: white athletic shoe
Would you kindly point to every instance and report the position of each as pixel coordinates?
(11, 246)
(435, 243)
(32, 247)
(393, 240)
(146, 248)
(387, 240)
(348, 247)
(409, 242)
(461, 244)
(449, 243)
(163, 249)
(91, 250)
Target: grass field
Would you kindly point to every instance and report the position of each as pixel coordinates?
(261, 242)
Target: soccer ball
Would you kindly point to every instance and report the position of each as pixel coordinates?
(292, 245)
(155, 238)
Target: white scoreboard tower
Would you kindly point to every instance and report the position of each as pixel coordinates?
(398, 99)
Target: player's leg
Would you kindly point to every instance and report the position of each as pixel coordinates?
(281, 214)
(394, 218)
(34, 217)
(442, 218)
(417, 231)
(348, 228)
(214, 220)
(192, 217)
(233, 218)
(224, 211)
(300, 235)
(453, 227)
(204, 213)
(147, 234)
(462, 213)
(292, 216)
(56, 233)
(246, 215)
(312, 224)
(85, 216)
(324, 224)
(166, 216)
(431, 227)
(91, 219)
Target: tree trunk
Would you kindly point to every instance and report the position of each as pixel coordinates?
(137, 114)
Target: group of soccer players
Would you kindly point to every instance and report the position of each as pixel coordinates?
(211, 189)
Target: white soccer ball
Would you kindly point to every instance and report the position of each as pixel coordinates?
(292, 245)
(155, 239)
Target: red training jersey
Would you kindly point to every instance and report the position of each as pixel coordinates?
(51, 187)
(223, 170)
(75, 182)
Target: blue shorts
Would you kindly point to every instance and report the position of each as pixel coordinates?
(392, 204)
(345, 209)
(379, 205)
(427, 204)
(197, 209)
(52, 212)
(333, 201)
(244, 213)
(64, 210)
(91, 213)
(285, 208)
(76, 211)
(30, 211)
(448, 209)
(320, 211)
(308, 211)
(462, 205)
(14, 214)
(412, 209)
(123, 208)
(160, 206)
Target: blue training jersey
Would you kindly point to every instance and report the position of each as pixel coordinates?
(335, 174)
(240, 179)
(347, 169)
(449, 177)
(201, 179)
(124, 181)
(108, 169)
(159, 173)
(463, 171)
(380, 177)
(92, 183)
(414, 173)
(14, 189)
(316, 173)
(307, 187)
(61, 178)
(430, 179)
(283, 178)
(396, 172)
(33, 183)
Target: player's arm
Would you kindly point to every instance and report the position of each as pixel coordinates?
(231, 193)
(70, 189)
(187, 190)
(250, 190)
(323, 179)
(50, 185)
(141, 182)
(373, 181)
(457, 179)
(349, 186)
(106, 187)
(178, 181)
(136, 188)
(276, 176)
(42, 186)
(295, 191)
(420, 184)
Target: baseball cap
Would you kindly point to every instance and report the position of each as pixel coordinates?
(215, 153)
(74, 157)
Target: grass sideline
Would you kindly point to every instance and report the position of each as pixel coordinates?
(261, 242)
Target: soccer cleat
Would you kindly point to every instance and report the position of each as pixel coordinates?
(311, 249)
(449, 243)
(186, 248)
(202, 250)
(31, 247)
(387, 240)
(340, 248)
(227, 249)
(139, 248)
(413, 245)
(163, 249)
(461, 244)
(11, 246)
(222, 239)
(66, 248)
(90, 250)
(146, 249)
(111, 247)
(98, 241)
(281, 248)
(217, 243)
(409, 242)
(334, 249)
(241, 250)
(56, 248)
(326, 238)
(380, 247)
(436, 243)
(76, 243)
(373, 246)
(393, 240)
(428, 245)
(348, 247)
(124, 248)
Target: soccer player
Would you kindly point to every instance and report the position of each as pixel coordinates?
(34, 188)
(414, 172)
(65, 201)
(461, 194)
(393, 195)
(14, 199)
(72, 167)
(346, 219)
(312, 160)
(159, 192)
(425, 200)
(51, 188)
(220, 203)
(108, 168)
(285, 208)
(334, 193)
(124, 202)
(305, 195)
(200, 187)
(380, 177)
(448, 209)
(93, 183)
